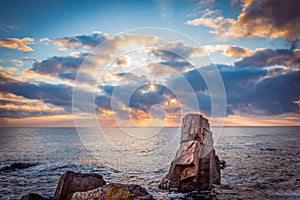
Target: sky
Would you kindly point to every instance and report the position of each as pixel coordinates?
(148, 63)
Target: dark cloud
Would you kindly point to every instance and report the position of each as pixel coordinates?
(131, 77)
(63, 67)
(137, 99)
(8, 113)
(194, 78)
(249, 90)
(204, 103)
(237, 81)
(278, 94)
(86, 41)
(179, 65)
(54, 65)
(108, 89)
(144, 97)
(271, 57)
(60, 95)
(275, 16)
(254, 91)
(20, 109)
(294, 44)
(103, 101)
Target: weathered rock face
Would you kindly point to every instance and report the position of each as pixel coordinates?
(114, 191)
(71, 182)
(195, 167)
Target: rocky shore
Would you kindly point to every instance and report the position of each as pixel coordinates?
(195, 169)
(88, 186)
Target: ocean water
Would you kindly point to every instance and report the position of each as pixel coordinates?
(263, 162)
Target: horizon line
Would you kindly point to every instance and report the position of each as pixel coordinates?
(137, 126)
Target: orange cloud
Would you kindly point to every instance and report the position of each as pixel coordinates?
(279, 120)
(40, 121)
(261, 18)
(19, 44)
(227, 50)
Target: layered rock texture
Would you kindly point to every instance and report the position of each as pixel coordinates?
(114, 191)
(71, 182)
(91, 186)
(195, 167)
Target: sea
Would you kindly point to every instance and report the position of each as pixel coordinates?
(262, 162)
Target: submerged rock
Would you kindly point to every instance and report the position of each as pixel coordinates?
(33, 196)
(195, 167)
(15, 166)
(223, 164)
(71, 182)
(114, 191)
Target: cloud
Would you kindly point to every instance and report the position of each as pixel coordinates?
(179, 51)
(85, 41)
(274, 96)
(220, 25)
(176, 51)
(112, 42)
(256, 91)
(147, 95)
(227, 50)
(19, 44)
(271, 57)
(18, 63)
(134, 101)
(123, 61)
(164, 69)
(18, 107)
(65, 67)
(58, 64)
(261, 18)
(59, 95)
(9, 28)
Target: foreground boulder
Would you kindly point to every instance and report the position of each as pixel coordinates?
(71, 182)
(114, 191)
(195, 167)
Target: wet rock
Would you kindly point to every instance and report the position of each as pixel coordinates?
(71, 182)
(33, 196)
(223, 164)
(15, 166)
(270, 149)
(217, 171)
(114, 191)
(195, 167)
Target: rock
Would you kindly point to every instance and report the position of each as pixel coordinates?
(114, 191)
(267, 149)
(71, 182)
(223, 164)
(195, 167)
(14, 166)
(33, 196)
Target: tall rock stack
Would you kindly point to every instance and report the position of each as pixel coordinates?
(195, 167)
